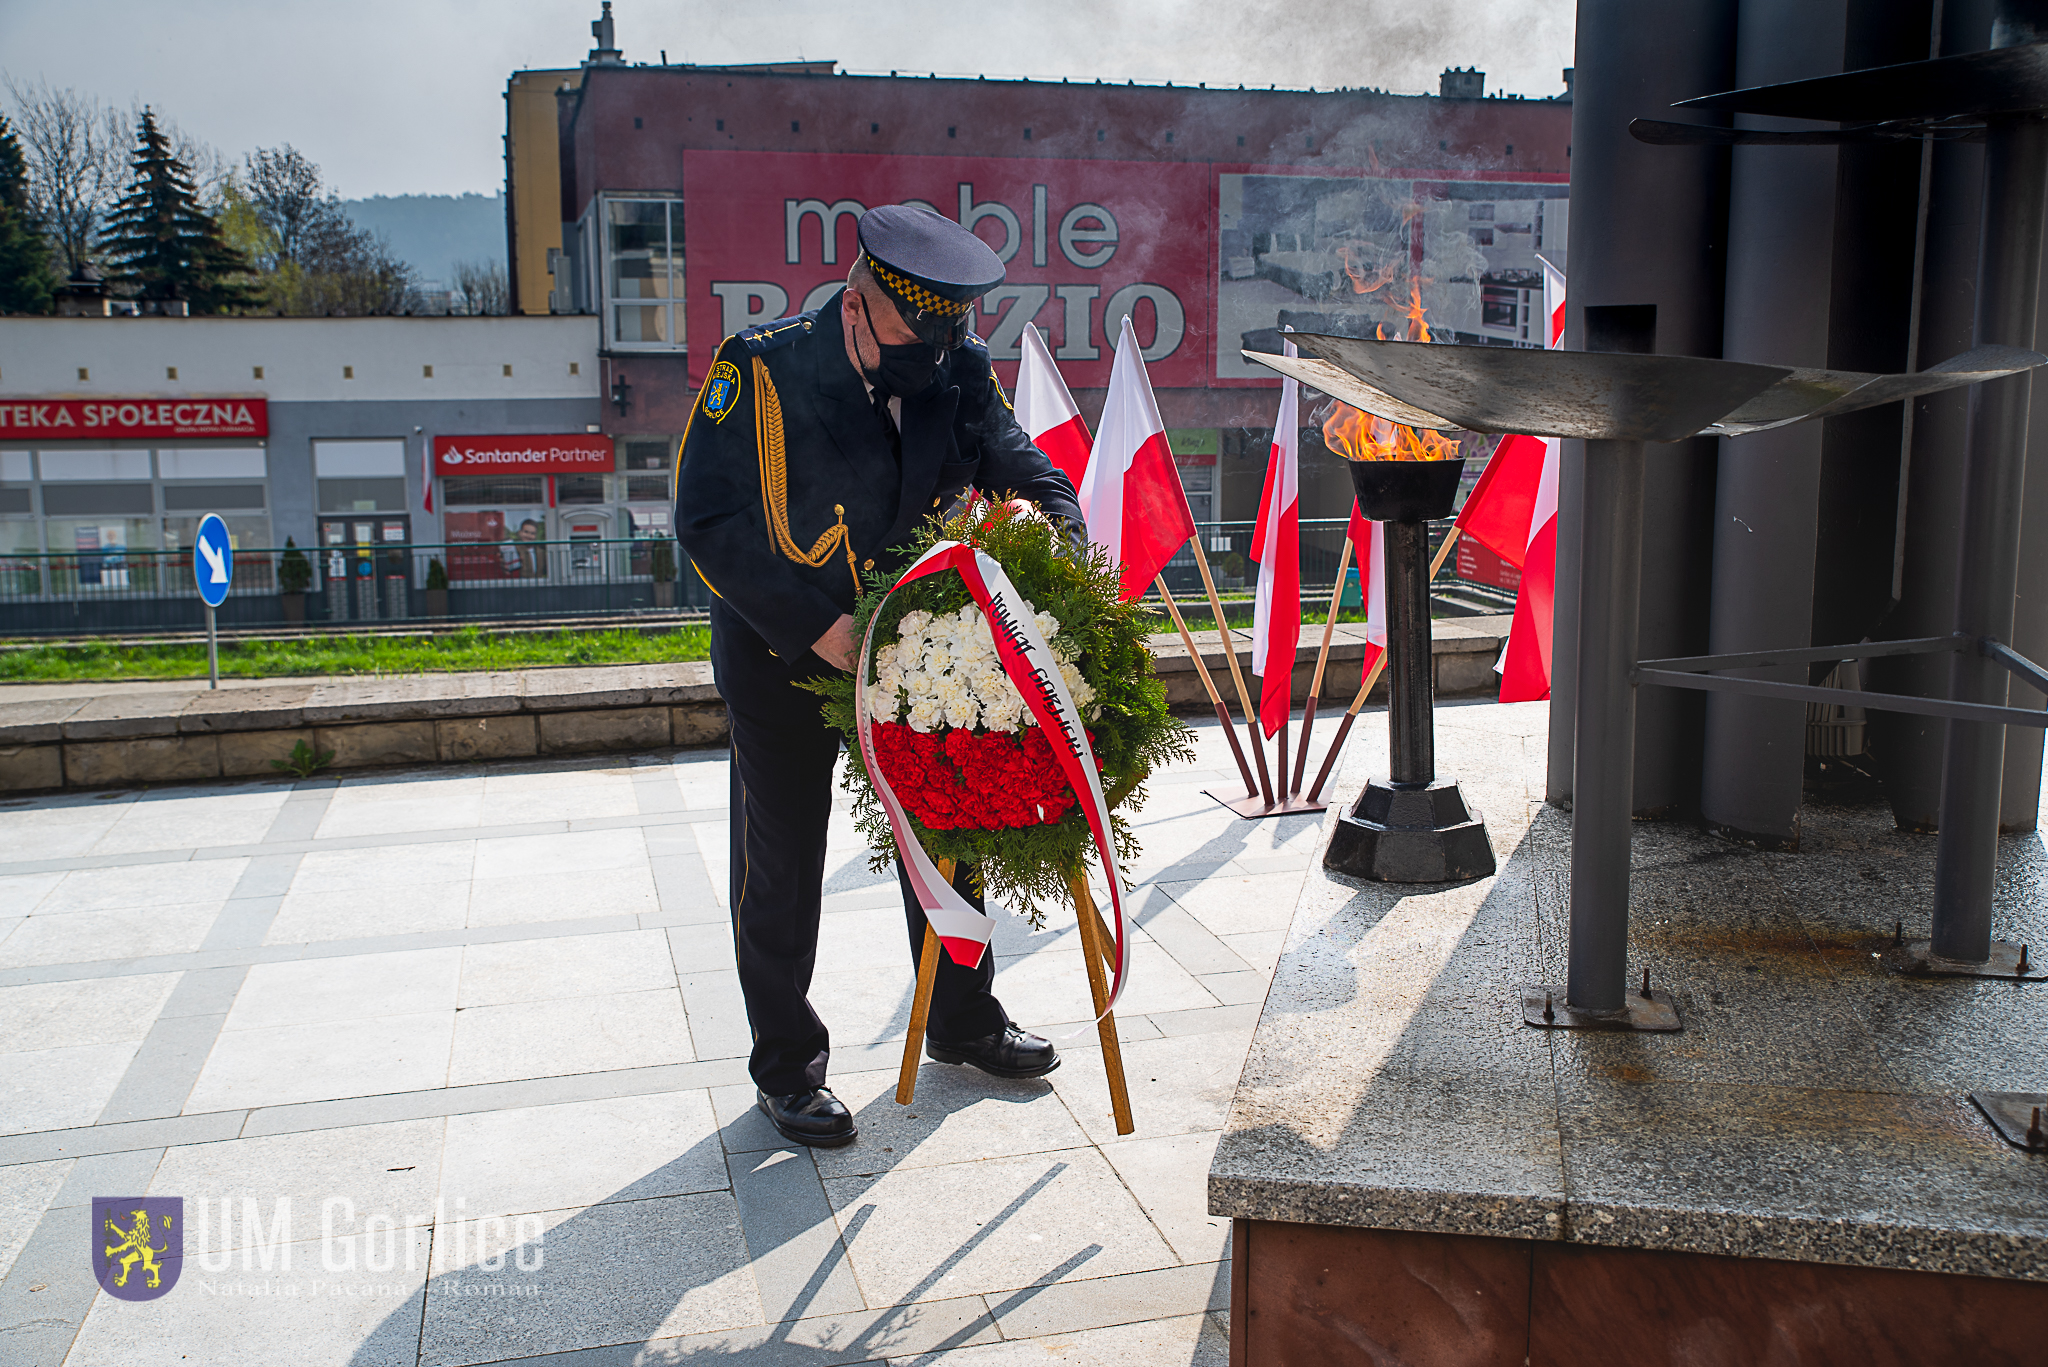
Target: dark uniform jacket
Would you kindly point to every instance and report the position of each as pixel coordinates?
(787, 485)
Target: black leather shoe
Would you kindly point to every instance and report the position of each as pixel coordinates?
(1009, 1052)
(816, 1118)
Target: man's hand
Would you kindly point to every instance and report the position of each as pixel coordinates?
(835, 647)
(1018, 507)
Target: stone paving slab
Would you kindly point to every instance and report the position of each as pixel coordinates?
(453, 1012)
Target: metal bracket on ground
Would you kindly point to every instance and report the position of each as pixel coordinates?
(2017, 1116)
(1917, 959)
(1645, 1011)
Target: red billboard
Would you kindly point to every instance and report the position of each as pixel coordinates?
(131, 419)
(572, 454)
(1084, 243)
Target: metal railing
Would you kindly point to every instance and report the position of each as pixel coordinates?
(355, 584)
(361, 584)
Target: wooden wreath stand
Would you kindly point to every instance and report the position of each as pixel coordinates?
(1098, 949)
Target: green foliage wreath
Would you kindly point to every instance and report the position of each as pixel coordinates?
(1133, 733)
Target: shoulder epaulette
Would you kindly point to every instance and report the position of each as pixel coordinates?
(766, 338)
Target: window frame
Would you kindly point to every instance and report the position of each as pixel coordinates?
(610, 300)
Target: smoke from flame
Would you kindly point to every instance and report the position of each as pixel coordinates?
(1361, 436)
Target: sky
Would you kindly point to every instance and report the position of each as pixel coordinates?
(405, 96)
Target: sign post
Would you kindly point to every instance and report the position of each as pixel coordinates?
(213, 569)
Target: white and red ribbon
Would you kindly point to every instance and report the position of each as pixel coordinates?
(1029, 663)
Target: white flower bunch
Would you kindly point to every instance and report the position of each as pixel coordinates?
(944, 672)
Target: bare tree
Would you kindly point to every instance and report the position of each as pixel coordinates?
(283, 185)
(341, 269)
(483, 287)
(77, 152)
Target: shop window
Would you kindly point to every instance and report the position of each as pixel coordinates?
(16, 501)
(643, 271)
(362, 495)
(360, 476)
(648, 462)
(95, 554)
(68, 500)
(497, 544)
(649, 525)
(96, 465)
(212, 498)
(472, 491)
(245, 462)
(579, 489)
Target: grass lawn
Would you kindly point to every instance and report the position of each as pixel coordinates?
(468, 649)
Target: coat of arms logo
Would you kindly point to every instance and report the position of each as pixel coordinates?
(138, 1244)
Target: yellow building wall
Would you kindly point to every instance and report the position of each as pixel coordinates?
(533, 176)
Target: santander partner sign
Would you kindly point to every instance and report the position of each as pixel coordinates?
(131, 419)
(576, 453)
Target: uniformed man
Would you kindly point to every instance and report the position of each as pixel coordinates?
(817, 445)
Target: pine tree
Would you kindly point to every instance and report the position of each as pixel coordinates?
(163, 241)
(25, 277)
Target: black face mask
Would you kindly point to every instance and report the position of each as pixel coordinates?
(903, 371)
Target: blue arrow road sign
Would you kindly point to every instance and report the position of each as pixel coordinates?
(213, 560)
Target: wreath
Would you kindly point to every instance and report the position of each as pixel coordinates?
(961, 751)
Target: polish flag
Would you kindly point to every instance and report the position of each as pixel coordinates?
(1276, 545)
(1369, 550)
(1046, 411)
(1553, 303)
(1497, 513)
(1525, 665)
(1131, 495)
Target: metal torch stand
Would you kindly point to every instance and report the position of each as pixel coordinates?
(1595, 994)
(1410, 827)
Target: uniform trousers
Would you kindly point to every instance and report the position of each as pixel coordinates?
(782, 758)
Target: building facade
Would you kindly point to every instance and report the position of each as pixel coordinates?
(474, 441)
(696, 200)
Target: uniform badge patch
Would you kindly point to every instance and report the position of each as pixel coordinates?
(722, 390)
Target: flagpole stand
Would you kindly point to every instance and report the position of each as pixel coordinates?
(1252, 808)
(1410, 827)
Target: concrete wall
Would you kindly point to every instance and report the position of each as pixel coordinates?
(302, 359)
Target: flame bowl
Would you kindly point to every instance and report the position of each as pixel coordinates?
(1406, 490)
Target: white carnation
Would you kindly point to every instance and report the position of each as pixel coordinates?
(913, 624)
(1003, 714)
(925, 713)
(962, 712)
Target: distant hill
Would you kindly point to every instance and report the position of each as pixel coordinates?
(433, 232)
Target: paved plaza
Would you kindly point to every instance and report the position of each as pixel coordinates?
(448, 1066)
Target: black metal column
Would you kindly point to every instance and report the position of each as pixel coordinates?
(1411, 692)
(2019, 807)
(1780, 237)
(1564, 630)
(1994, 475)
(1648, 228)
(1610, 596)
(1928, 518)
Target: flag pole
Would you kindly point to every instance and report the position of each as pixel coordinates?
(1351, 713)
(1244, 697)
(1244, 770)
(1315, 688)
